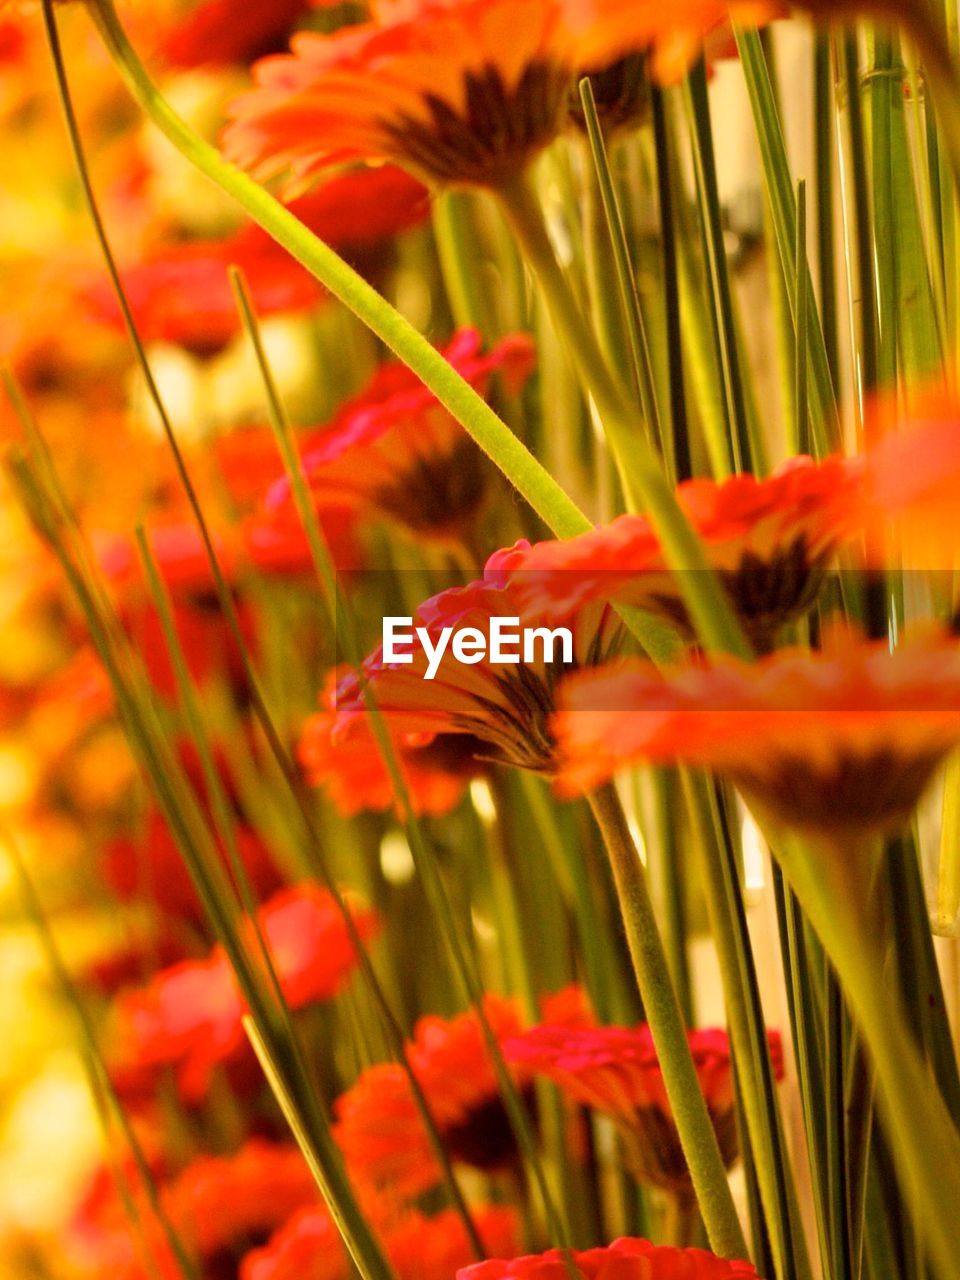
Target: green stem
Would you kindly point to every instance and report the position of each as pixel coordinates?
(708, 604)
(475, 415)
(614, 245)
(679, 426)
(662, 1011)
(747, 1030)
(698, 112)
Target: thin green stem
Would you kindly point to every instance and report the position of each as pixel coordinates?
(698, 113)
(626, 277)
(471, 410)
(679, 426)
(662, 1011)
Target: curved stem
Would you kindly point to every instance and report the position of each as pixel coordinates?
(496, 439)
(662, 1010)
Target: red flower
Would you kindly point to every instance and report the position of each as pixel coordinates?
(149, 866)
(397, 450)
(181, 292)
(223, 32)
(309, 1247)
(215, 1204)
(768, 539)
(189, 1016)
(839, 741)
(378, 1125)
(622, 1260)
(437, 770)
(506, 706)
(616, 1070)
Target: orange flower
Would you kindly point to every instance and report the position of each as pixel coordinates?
(181, 292)
(397, 450)
(508, 707)
(623, 1260)
(378, 1125)
(309, 1247)
(839, 741)
(908, 498)
(458, 91)
(616, 1070)
(675, 35)
(769, 540)
(189, 1016)
(215, 1203)
(223, 32)
(437, 769)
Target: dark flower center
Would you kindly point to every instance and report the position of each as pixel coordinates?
(495, 134)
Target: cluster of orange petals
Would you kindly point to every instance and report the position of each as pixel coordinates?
(396, 450)
(215, 1204)
(463, 91)
(190, 1016)
(616, 1069)
(418, 1246)
(842, 738)
(355, 776)
(378, 1125)
(623, 1260)
(767, 538)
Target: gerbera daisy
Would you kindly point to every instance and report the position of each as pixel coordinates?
(623, 1260)
(216, 1203)
(309, 1247)
(437, 769)
(397, 450)
(616, 1070)
(378, 1125)
(769, 541)
(508, 707)
(459, 92)
(190, 1016)
(841, 741)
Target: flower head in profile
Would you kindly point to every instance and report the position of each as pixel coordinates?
(437, 769)
(397, 451)
(839, 741)
(418, 1246)
(625, 1259)
(457, 91)
(769, 541)
(616, 1070)
(378, 1126)
(505, 706)
(190, 1016)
